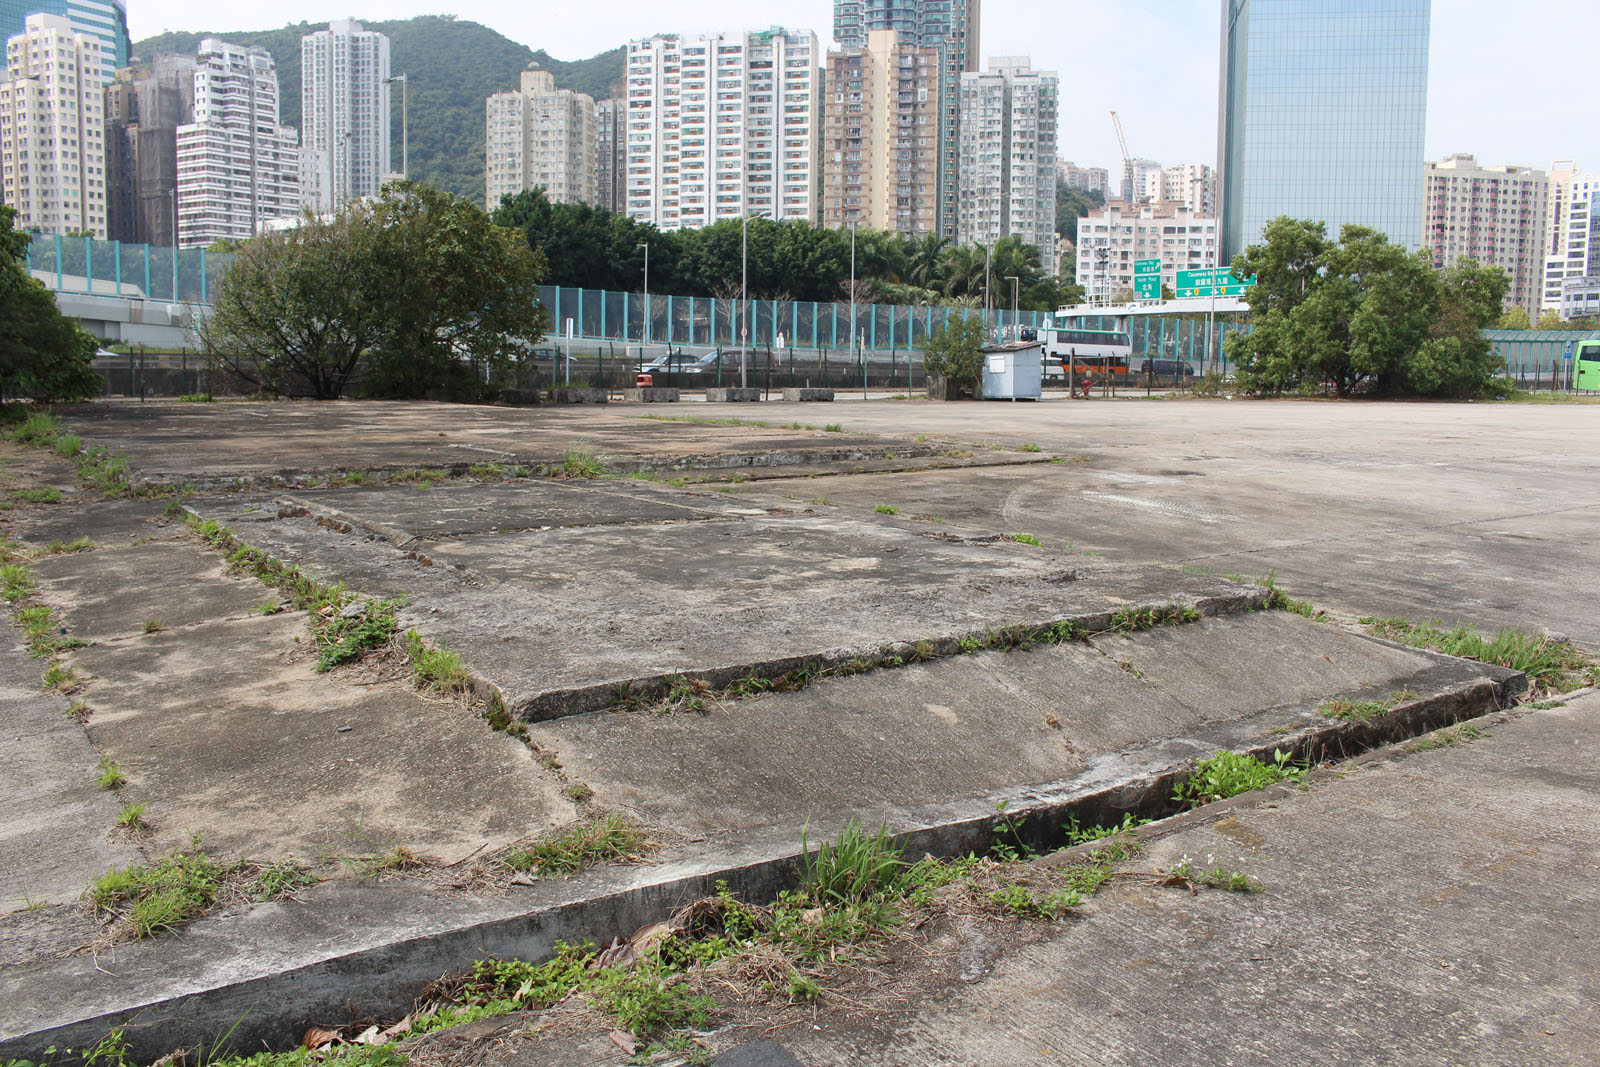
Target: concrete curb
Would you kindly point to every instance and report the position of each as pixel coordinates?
(369, 950)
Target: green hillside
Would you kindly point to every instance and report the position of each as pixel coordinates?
(451, 66)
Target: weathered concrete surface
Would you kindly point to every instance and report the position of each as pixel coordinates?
(970, 726)
(733, 394)
(56, 835)
(652, 394)
(1442, 908)
(225, 729)
(1475, 513)
(556, 618)
(805, 395)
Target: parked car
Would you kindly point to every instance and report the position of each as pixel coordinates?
(1166, 368)
(682, 363)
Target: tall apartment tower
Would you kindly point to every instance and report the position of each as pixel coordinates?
(721, 126)
(880, 136)
(610, 155)
(1194, 185)
(950, 25)
(52, 129)
(539, 136)
(237, 167)
(344, 114)
(1495, 215)
(104, 20)
(1570, 249)
(145, 105)
(1007, 173)
(1322, 106)
(1089, 179)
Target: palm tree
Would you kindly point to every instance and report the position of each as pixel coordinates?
(925, 260)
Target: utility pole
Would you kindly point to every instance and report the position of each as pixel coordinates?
(744, 294)
(405, 110)
(644, 333)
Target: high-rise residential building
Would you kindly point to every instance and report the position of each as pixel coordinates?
(951, 25)
(1089, 179)
(237, 167)
(1194, 185)
(52, 129)
(610, 155)
(541, 137)
(105, 20)
(1111, 239)
(1007, 173)
(1322, 106)
(344, 114)
(1146, 182)
(722, 125)
(1571, 247)
(880, 136)
(144, 106)
(1495, 215)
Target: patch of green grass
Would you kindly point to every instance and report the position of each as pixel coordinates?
(580, 791)
(111, 776)
(58, 548)
(39, 428)
(1555, 666)
(78, 711)
(16, 582)
(1081, 835)
(131, 817)
(1024, 903)
(1278, 600)
(579, 463)
(266, 607)
(437, 669)
(356, 629)
(1215, 876)
(1363, 711)
(1021, 538)
(174, 890)
(68, 445)
(833, 427)
(1227, 774)
(46, 495)
(929, 518)
(612, 838)
(822, 501)
(886, 509)
(1448, 737)
(1030, 447)
(1132, 619)
(59, 677)
(195, 398)
(154, 626)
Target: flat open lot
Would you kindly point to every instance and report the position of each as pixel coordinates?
(875, 550)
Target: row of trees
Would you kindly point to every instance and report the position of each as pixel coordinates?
(1365, 315)
(414, 292)
(43, 354)
(592, 248)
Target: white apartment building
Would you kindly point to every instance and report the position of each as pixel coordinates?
(344, 114)
(237, 167)
(1007, 171)
(1193, 185)
(1171, 233)
(1089, 179)
(1570, 250)
(540, 137)
(1495, 215)
(722, 125)
(52, 129)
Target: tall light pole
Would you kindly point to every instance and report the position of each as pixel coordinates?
(175, 242)
(405, 140)
(644, 333)
(853, 283)
(1015, 286)
(744, 294)
(988, 260)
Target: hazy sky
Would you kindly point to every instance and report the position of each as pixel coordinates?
(1509, 82)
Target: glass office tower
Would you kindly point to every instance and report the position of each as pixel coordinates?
(1323, 105)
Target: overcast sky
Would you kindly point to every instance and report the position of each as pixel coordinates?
(1510, 82)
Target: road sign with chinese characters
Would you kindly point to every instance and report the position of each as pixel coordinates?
(1220, 282)
(1147, 279)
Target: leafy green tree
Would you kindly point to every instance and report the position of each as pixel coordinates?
(1515, 318)
(43, 354)
(1073, 204)
(460, 293)
(1363, 314)
(955, 350)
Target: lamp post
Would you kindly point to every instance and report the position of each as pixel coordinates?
(744, 294)
(853, 288)
(175, 242)
(988, 261)
(644, 332)
(1015, 285)
(405, 140)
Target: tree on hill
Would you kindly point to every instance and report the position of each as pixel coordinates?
(43, 354)
(451, 65)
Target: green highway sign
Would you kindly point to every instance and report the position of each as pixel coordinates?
(1147, 279)
(1220, 282)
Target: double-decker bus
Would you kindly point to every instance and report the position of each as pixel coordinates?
(1069, 350)
(1587, 365)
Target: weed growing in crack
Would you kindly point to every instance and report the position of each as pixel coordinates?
(61, 678)
(354, 630)
(154, 626)
(1362, 712)
(1081, 835)
(111, 776)
(16, 582)
(1278, 600)
(45, 495)
(1227, 774)
(1008, 843)
(1184, 873)
(608, 839)
(169, 893)
(131, 817)
(57, 548)
(1447, 738)
(1555, 666)
(886, 509)
(437, 669)
(579, 463)
(1022, 539)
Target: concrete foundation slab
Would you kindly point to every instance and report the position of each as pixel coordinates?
(805, 395)
(655, 394)
(732, 395)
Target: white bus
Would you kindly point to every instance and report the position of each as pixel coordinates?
(1097, 352)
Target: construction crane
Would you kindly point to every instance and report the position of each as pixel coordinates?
(1127, 160)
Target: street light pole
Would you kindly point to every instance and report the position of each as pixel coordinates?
(644, 332)
(744, 292)
(1016, 284)
(852, 283)
(175, 242)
